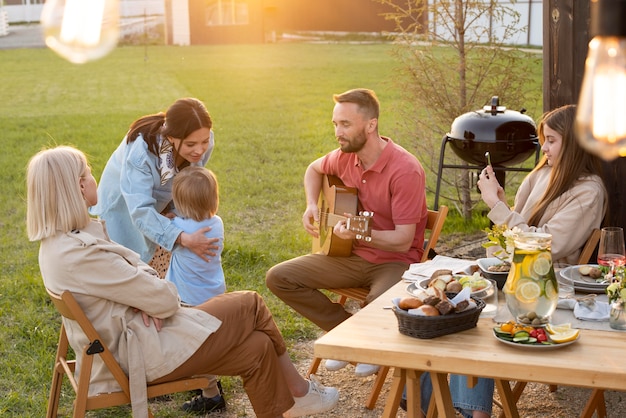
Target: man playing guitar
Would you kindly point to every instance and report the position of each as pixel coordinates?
(390, 182)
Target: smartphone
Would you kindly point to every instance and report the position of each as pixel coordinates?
(488, 156)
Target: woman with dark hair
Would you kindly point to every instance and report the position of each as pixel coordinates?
(563, 196)
(135, 191)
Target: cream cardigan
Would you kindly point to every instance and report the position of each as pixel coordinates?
(570, 218)
(111, 283)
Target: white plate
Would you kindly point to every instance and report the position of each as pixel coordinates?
(535, 346)
(416, 288)
(581, 282)
(595, 290)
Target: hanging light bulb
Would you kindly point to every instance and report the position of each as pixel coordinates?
(601, 111)
(81, 30)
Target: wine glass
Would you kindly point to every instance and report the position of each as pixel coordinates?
(611, 251)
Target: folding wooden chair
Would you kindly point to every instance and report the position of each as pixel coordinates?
(436, 220)
(70, 309)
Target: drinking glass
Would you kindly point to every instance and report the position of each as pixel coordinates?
(611, 251)
(490, 297)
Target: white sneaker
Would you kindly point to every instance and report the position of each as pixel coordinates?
(363, 370)
(318, 399)
(334, 365)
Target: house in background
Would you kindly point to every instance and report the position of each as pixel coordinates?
(198, 22)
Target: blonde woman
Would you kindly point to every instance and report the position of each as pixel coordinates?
(231, 334)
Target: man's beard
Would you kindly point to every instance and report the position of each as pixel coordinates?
(354, 145)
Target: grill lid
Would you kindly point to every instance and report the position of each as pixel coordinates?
(509, 136)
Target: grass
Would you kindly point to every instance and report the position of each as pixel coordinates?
(271, 106)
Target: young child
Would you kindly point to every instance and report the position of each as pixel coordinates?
(196, 198)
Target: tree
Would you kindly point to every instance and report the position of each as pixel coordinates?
(454, 56)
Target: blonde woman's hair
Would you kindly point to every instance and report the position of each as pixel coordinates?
(195, 193)
(55, 201)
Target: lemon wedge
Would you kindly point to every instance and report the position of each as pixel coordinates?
(566, 336)
(557, 329)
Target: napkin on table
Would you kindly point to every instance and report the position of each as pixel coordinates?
(419, 271)
(596, 311)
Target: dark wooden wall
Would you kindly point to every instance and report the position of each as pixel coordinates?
(565, 40)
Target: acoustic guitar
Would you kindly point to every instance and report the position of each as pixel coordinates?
(335, 200)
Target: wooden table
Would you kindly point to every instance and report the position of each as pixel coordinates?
(371, 336)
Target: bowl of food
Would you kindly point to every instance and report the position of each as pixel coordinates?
(494, 268)
(449, 282)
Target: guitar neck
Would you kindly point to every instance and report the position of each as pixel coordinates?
(332, 219)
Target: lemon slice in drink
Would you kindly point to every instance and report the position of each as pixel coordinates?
(542, 264)
(566, 336)
(527, 291)
(557, 329)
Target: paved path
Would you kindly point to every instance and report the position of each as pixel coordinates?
(23, 36)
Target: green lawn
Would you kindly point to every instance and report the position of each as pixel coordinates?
(271, 106)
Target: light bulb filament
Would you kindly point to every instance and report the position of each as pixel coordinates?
(609, 117)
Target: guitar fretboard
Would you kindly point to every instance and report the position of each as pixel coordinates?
(330, 219)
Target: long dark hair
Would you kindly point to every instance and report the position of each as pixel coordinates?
(181, 119)
(573, 161)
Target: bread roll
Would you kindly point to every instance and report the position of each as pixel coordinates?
(595, 273)
(426, 310)
(454, 287)
(441, 272)
(409, 303)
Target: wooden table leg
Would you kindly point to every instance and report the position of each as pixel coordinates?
(413, 393)
(595, 404)
(507, 399)
(395, 393)
(441, 392)
(432, 408)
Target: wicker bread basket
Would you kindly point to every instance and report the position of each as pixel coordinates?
(436, 326)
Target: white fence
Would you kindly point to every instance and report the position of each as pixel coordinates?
(128, 8)
(528, 30)
(4, 23)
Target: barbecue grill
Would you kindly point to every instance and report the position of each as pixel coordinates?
(509, 136)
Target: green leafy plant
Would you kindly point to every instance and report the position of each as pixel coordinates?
(504, 238)
(617, 289)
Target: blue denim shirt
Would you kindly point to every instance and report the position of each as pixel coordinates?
(131, 199)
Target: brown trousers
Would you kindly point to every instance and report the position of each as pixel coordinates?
(297, 282)
(247, 344)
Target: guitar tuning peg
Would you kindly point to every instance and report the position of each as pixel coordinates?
(366, 213)
(363, 237)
